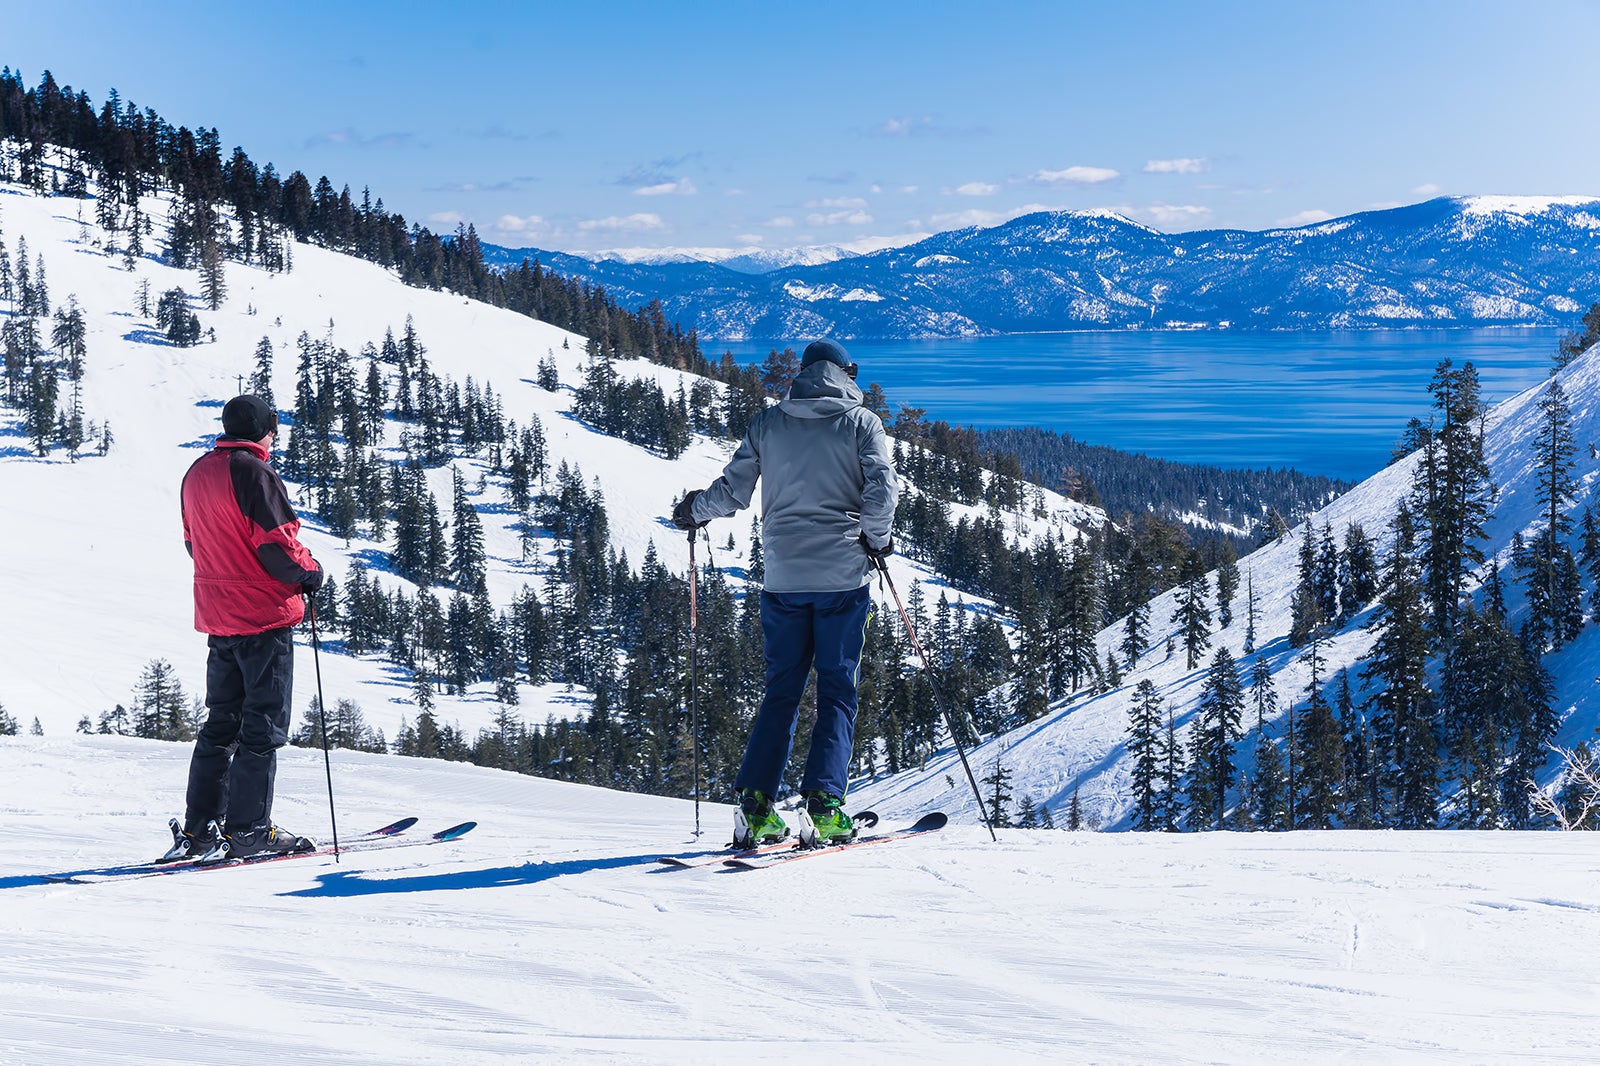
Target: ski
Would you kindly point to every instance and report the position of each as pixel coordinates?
(389, 836)
(697, 859)
(361, 844)
(928, 823)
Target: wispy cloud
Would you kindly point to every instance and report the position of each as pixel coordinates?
(446, 219)
(834, 203)
(639, 222)
(506, 185)
(923, 126)
(1074, 175)
(520, 224)
(781, 222)
(680, 187)
(977, 188)
(751, 238)
(1177, 166)
(1168, 216)
(1427, 189)
(841, 177)
(1305, 218)
(971, 217)
(839, 218)
(350, 138)
(658, 172)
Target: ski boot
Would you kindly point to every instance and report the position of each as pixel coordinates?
(757, 821)
(257, 844)
(826, 821)
(187, 845)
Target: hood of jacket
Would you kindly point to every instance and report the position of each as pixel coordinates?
(821, 390)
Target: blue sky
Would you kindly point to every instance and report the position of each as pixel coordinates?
(626, 125)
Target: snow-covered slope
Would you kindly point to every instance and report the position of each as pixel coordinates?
(550, 935)
(97, 582)
(1081, 742)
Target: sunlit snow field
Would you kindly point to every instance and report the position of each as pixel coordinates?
(551, 935)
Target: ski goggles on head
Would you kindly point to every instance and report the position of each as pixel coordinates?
(851, 370)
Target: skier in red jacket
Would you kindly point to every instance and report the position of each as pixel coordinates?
(250, 572)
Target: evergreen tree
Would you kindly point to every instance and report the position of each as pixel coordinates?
(998, 795)
(260, 383)
(467, 559)
(1227, 585)
(1396, 671)
(1145, 728)
(1358, 572)
(1191, 612)
(1267, 797)
(1452, 493)
(1171, 805)
(1319, 751)
(8, 724)
(1211, 747)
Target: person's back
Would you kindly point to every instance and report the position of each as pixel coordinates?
(828, 492)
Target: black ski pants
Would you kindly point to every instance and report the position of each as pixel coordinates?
(249, 686)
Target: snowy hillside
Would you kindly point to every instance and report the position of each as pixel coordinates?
(551, 935)
(1470, 261)
(97, 580)
(1081, 743)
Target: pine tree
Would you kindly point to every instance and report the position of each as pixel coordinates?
(1145, 726)
(467, 559)
(1396, 670)
(260, 383)
(1211, 747)
(1320, 752)
(1171, 755)
(8, 724)
(1267, 798)
(998, 793)
(1252, 606)
(1358, 573)
(1227, 585)
(1191, 612)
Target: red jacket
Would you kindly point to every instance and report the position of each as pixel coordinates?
(249, 565)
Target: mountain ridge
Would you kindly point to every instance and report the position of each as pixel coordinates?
(1448, 261)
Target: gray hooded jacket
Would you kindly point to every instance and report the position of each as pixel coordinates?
(826, 477)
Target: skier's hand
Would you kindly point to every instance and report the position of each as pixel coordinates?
(878, 555)
(310, 585)
(683, 514)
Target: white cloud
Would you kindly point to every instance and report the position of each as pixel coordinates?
(835, 203)
(907, 190)
(781, 222)
(1168, 216)
(519, 224)
(899, 127)
(875, 188)
(977, 188)
(1075, 175)
(839, 218)
(1427, 189)
(681, 187)
(971, 217)
(1177, 166)
(447, 218)
(751, 238)
(1305, 218)
(640, 221)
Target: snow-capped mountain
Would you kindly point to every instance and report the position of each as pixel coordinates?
(1464, 261)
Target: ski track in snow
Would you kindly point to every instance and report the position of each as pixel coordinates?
(550, 934)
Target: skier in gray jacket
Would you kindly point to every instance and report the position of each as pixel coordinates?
(828, 493)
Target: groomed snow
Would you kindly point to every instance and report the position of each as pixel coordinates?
(550, 935)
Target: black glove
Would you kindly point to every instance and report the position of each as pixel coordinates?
(877, 555)
(683, 514)
(311, 584)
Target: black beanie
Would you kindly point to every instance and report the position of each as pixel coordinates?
(832, 351)
(248, 418)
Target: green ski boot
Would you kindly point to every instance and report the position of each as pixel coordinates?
(757, 821)
(827, 816)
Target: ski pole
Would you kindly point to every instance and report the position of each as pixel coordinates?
(322, 715)
(694, 647)
(938, 697)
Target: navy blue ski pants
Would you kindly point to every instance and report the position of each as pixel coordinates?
(798, 629)
(249, 682)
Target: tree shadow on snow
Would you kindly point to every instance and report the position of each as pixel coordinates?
(359, 883)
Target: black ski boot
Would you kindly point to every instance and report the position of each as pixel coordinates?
(187, 845)
(258, 843)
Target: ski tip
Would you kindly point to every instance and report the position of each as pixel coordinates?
(394, 827)
(455, 831)
(929, 822)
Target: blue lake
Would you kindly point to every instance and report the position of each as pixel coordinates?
(1330, 403)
